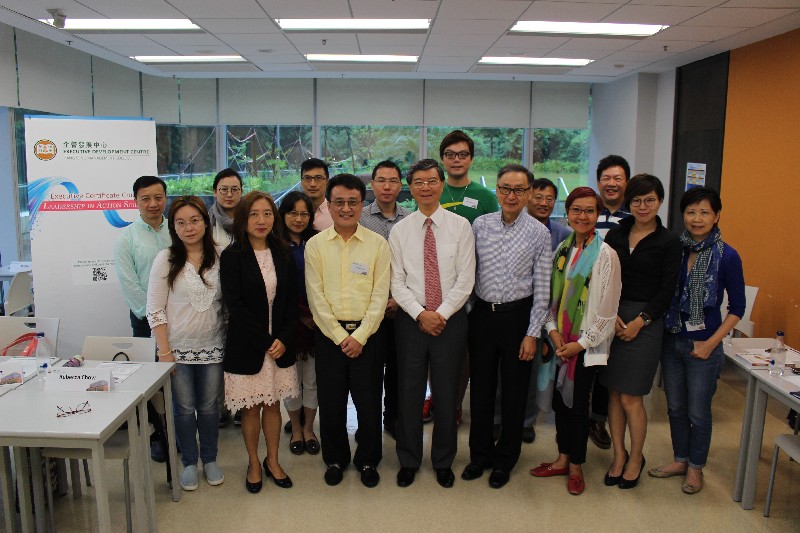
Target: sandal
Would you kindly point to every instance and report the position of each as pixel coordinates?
(661, 473)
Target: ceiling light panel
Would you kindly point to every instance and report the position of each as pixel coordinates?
(537, 61)
(190, 59)
(353, 24)
(586, 28)
(362, 58)
(78, 25)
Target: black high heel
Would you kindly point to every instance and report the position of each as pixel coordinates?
(631, 483)
(284, 483)
(252, 488)
(610, 481)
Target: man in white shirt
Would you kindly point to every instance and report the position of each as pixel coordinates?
(314, 180)
(433, 272)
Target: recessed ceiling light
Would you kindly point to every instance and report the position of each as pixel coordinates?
(362, 58)
(126, 24)
(353, 24)
(535, 61)
(189, 59)
(587, 28)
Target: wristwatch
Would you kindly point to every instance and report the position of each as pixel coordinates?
(646, 318)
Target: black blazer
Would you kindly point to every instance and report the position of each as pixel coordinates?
(245, 297)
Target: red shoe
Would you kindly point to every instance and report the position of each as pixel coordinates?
(547, 470)
(458, 417)
(427, 409)
(576, 485)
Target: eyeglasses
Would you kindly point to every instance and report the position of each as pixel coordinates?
(518, 191)
(317, 179)
(352, 203)
(183, 224)
(79, 409)
(418, 184)
(456, 155)
(298, 214)
(576, 211)
(549, 200)
(649, 201)
(391, 181)
(607, 179)
(229, 190)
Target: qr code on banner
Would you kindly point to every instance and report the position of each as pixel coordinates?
(99, 274)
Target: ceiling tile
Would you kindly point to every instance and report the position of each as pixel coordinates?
(471, 27)
(268, 59)
(503, 51)
(762, 3)
(674, 46)
(462, 40)
(254, 39)
(299, 9)
(152, 49)
(519, 70)
(281, 67)
(37, 9)
(401, 9)
(201, 9)
(664, 15)
(184, 39)
(251, 50)
(481, 9)
(453, 51)
(317, 38)
(145, 9)
(596, 43)
(203, 50)
(579, 54)
(119, 39)
(648, 57)
(737, 17)
(706, 3)
(249, 25)
(530, 41)
(696, 33)
(399, 39)
(403, 50)
(569, 11)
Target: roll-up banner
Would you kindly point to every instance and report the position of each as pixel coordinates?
(80, 176)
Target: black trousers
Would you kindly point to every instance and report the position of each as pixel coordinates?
(599, 398)
(572, 424)
(494, 341)
(141, 328)
(362, 378)
(385, 338)
(444, 354)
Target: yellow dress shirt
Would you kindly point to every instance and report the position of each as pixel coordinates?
(348, 281)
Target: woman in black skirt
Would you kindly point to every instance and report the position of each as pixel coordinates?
(650, 257)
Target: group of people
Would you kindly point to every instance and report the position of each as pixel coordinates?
(323, 297)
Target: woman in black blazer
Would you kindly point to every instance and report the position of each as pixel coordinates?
(257, 273)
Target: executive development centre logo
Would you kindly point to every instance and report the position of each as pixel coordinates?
(45, 150)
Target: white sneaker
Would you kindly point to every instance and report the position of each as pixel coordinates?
(213, 474)
(189, 478)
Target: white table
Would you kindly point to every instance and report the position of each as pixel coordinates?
(40, 427)
(766, 385)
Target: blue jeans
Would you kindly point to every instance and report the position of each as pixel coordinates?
(194, 402)
(690, 384)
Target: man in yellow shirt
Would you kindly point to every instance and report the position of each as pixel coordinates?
(347, 281)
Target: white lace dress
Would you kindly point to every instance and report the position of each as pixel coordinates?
(271, 383)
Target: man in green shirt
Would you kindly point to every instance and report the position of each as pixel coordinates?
(462, 196)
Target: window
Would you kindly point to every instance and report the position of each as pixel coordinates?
(187, 158)
(494, 148)
(562, 156)
(356, 149)
(268, 157)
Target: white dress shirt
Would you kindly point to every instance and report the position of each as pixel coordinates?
(455, 249)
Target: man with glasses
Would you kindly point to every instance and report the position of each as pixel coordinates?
(134, 253)
(347, 281)
(381, 216)
(433, 272)
(313, 178)
(512, 283)
(613, 172)
(227, 195)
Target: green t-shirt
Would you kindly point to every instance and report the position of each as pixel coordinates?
(470, 202)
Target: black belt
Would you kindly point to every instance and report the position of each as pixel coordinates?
(505, 307)
(350, 325)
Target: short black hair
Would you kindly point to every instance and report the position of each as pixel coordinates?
(543, 183)
(613, 161)
(424, 164)
(455, 137)
(515, 167)
(287, 204)
(348, 181)
(695, 195)
(313, 162)
(388, 163)
(148, 181)
(226, 173)
(642, 184)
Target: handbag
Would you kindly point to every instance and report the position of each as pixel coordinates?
(29, 341)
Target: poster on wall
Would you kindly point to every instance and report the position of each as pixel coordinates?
(695, 175)
(80, 176)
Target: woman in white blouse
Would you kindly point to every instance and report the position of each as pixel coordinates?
(585, 293)
(184, 309)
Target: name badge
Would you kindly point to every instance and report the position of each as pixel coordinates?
(470, 202)
(78, 379)
(699, 327)
(359, 268)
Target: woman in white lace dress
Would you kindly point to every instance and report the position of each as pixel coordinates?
(260, 292)
(584, 298)
(184, 309)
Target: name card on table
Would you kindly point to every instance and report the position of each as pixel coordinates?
(11, 376)
(78, 379)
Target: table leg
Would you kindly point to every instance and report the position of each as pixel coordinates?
(747, 420)
(754, 448)
(7, 488)
(173, 450)
(24, 488)
(100, 486)
(39, 504)
(138, 466)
